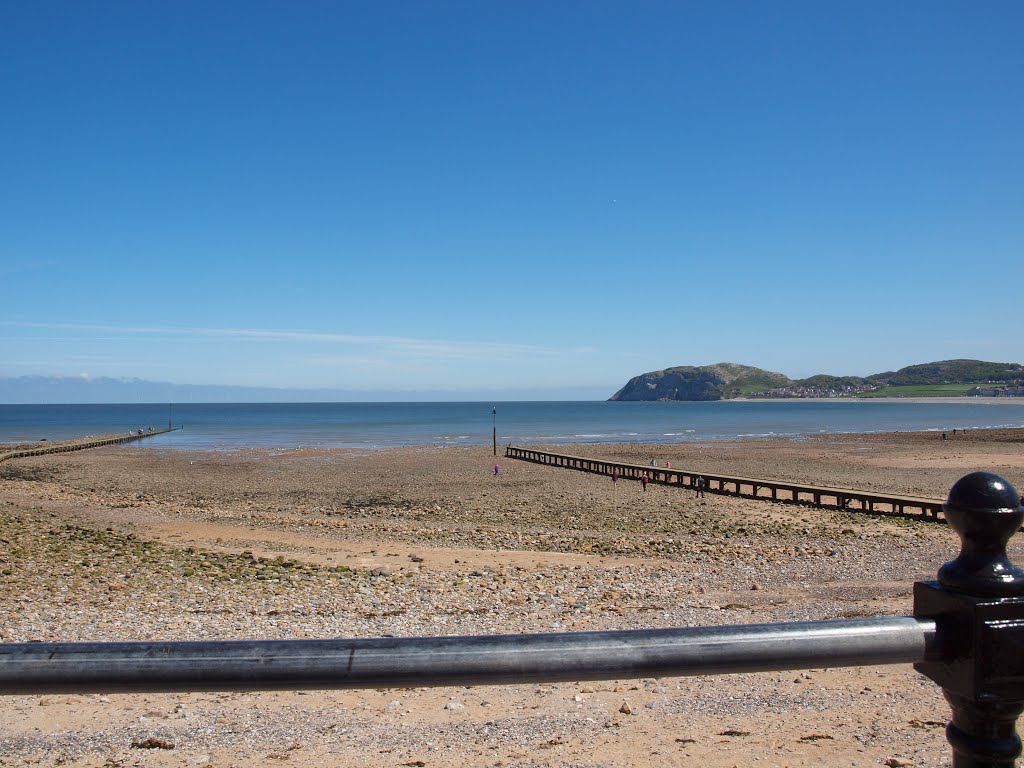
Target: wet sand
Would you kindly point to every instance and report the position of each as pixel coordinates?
(133, 543)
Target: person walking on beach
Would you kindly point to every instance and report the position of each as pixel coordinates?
(699, 493)
(496, 470)
(643, 481)
(615, 478)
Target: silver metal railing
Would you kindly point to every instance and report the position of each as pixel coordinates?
(435, 661)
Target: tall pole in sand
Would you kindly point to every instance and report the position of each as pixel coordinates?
(494, 429)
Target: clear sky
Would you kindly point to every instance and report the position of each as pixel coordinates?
(527, 195)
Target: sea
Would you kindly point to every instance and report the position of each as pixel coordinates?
(236, 426)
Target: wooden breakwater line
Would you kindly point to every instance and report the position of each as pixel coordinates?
(79, 445)
(746, 487)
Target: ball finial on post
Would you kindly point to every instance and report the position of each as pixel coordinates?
(984, 509)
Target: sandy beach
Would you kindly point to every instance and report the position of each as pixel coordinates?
(134, 543)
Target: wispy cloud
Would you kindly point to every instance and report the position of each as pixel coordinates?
(91, 362)
(409, 346)
(364, 364)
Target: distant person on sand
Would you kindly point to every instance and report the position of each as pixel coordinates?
(496, 470)
(643, 481)
(615, 477)
(700, 487)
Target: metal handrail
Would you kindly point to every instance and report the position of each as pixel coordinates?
(473, 660)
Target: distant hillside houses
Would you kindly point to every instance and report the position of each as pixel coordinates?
(1015, 390)
(801, 390)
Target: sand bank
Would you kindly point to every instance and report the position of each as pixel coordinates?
(135, 543)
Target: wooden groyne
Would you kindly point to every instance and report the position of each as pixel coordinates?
(746, 487)
(79, 445)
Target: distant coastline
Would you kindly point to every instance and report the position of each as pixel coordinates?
(733, 381)
(962, 400)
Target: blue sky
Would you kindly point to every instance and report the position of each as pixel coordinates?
(535, 196)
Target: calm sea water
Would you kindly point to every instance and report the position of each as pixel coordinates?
(381, 425)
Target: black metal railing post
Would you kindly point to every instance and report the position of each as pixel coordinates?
(978, 607)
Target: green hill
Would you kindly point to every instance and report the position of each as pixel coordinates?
(724, 381)
(951, 372)
(706, 382)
